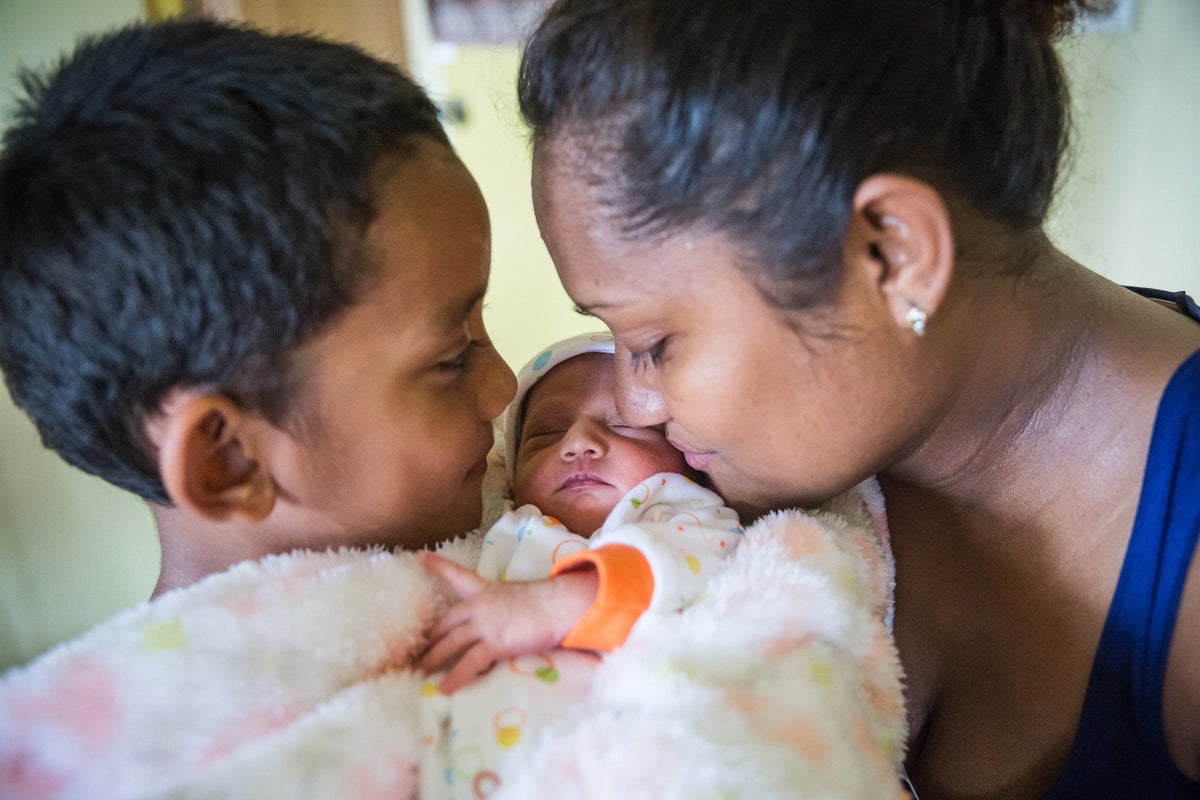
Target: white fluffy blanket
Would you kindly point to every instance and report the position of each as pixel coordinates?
(287, 678)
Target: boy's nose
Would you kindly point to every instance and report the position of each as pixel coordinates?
(638, 403)
(499, 385)
(583, 440)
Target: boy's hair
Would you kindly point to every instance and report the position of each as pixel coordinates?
(181, 205)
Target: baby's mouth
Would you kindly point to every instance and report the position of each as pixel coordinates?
(583, 479)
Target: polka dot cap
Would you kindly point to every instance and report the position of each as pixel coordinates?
(532, 372)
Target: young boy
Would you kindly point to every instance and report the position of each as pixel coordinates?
(241, 276)
(607, 527)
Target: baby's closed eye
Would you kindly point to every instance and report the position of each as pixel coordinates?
(545, 435)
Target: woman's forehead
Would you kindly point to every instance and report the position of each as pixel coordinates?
(609, 272)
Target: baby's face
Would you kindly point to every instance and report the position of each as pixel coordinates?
(576, 457)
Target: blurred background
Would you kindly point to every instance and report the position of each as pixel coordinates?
(74, 550)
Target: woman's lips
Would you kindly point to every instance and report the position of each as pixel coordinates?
(694, 458)
(583, 480)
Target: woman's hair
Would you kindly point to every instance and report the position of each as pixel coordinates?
(182, 205)
(758, 119)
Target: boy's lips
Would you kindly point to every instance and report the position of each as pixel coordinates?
(583, 480)
(482, 464)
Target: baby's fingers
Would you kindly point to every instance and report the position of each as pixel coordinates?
(445, 649)
(475, 662)
(465, 582)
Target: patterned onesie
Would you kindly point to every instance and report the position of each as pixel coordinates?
(655, 551)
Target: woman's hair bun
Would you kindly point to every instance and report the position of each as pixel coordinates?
(1054, 18)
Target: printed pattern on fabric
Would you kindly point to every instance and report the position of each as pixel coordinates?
(683, 530)
(469, 738)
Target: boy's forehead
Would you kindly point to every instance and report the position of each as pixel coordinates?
(428, 250)
(430, 234)
(454, 310)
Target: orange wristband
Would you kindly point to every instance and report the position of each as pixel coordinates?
(625, 590)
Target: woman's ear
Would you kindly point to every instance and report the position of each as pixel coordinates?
(900, 232)
(207, 460)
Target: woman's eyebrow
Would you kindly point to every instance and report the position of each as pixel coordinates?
(590, 309)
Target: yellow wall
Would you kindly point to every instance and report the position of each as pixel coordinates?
(73, 550)
(526, 306)
(1132, 190)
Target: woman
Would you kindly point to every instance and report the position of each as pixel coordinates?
(815, 229)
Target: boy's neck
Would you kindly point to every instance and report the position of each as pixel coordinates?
(193, 548)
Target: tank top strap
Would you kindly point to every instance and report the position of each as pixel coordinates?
(1120, 747)
(1181, 300)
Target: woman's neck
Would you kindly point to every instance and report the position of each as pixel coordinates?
(1047, 411)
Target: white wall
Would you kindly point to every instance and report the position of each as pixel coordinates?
(73, 550)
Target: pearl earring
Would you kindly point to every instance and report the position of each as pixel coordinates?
(916, 319)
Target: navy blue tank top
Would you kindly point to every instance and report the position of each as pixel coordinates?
(1120, 748)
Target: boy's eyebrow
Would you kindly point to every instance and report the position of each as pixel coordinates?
(452, 315)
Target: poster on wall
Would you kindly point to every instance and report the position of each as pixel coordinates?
(1115, 16)
(484, 21)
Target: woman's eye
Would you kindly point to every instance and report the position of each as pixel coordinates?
(651, 356)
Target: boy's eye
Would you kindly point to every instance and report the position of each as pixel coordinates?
(462, 360)
(459, 362)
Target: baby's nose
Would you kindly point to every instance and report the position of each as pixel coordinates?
(583, 439)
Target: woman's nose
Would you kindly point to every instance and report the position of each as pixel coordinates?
(584, 439)
(638, 404)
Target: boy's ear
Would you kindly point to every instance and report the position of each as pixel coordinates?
(900, 230)
(207, 459)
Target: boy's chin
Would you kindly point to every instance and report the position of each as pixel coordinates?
(455, 522)
(459, 521)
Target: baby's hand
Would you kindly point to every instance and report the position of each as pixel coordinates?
(500, 619)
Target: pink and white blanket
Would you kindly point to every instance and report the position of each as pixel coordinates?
(287, 678)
